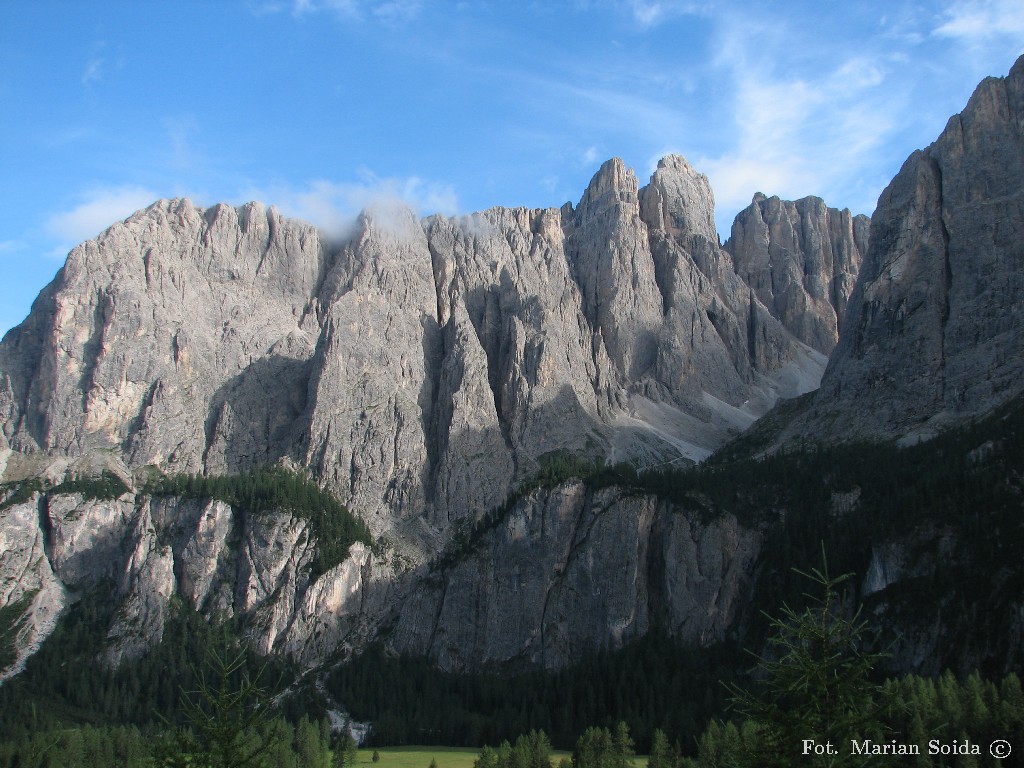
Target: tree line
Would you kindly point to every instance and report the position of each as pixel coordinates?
(268, 489)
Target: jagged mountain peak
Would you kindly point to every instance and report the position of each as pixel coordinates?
(679, 200)
(422, 370)
(613, 186)
(801, 258)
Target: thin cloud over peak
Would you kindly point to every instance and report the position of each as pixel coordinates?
(96, 210)
(334, 206)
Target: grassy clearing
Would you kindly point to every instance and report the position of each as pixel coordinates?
(446, 757)
(418, 757)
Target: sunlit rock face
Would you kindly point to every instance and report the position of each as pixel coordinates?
(801, 259)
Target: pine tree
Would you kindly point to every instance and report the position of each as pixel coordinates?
(662, 755)
(622, 747)
(229, 717)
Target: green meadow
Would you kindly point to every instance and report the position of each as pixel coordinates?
(445, 757)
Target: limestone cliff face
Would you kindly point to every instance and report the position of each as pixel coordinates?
(421, 369)
(568, 569)
(801, 259)
(718, 338)
(932, 335)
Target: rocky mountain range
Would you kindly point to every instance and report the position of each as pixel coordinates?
(423, 370)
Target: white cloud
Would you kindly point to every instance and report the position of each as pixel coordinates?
(860, 72)
(650, 14)
(334, 206)
(798, 130)
(388, 11)
(590, 156)
(98, 209)
(978, 21)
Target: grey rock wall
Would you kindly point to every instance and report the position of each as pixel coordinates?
(570, 569)
(932, 335)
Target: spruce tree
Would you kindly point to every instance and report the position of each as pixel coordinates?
(815, 683)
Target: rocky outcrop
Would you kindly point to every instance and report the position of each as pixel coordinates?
(801, 259)
(27, 582)
(217, 560)
(719, 343)
(568, 568)
(932, 334)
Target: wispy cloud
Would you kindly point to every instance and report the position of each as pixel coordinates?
(388, 11)
(397, 10)
(798, 130)
(333, 206)
(93, 72)
(95, 66)
(180, 131)
(10, 246)
(635, 113)
(978, 21)
(648, 13)
(98, 209)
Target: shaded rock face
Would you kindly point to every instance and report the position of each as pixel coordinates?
(571, 568)
(801, 259)
(933, 334)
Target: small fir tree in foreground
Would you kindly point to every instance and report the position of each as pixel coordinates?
(815, 685)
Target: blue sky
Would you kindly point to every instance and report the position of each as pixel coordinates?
(322, 106)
